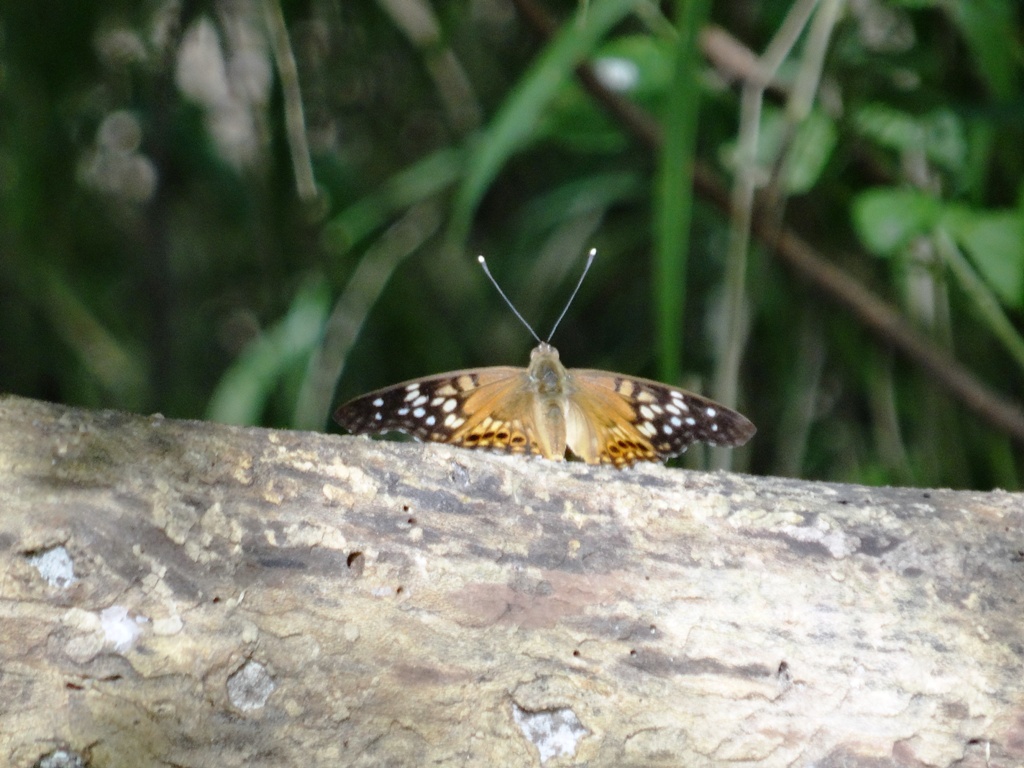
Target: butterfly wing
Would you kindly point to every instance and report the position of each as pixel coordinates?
(477, 408)
(609, 418)
(620, 420)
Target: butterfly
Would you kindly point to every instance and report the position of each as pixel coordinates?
(545, 408)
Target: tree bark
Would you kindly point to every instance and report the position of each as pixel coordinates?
(190, 594)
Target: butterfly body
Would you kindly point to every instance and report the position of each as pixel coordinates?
(546, 408)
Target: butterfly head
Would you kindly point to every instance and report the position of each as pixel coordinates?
(543, 351)
(546, 372)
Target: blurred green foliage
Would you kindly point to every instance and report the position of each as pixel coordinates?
(155, 256)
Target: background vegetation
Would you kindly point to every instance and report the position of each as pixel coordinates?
(249, 211)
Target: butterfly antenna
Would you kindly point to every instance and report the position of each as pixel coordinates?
(590, 260)
(483, 263)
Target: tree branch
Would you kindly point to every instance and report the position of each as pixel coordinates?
(188, 593)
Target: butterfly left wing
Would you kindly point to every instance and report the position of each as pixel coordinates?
(621, 420)
(476, 408)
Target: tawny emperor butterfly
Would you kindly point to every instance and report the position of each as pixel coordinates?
(601, 417)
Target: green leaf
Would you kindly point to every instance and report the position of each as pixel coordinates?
(982, 297)
(991, 30)
(812, 147)
(995, 242)
(887, 218)
(638, 67)
(575, 122)
(939, 134)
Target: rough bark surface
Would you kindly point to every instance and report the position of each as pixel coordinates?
(191, 594)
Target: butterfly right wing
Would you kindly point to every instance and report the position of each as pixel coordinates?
(618, 419)
(475, 408)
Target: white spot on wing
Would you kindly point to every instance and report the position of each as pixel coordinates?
(711, 412)
(419, 413)
(378, 402)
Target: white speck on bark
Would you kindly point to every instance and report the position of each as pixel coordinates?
(55, 566)
(250, 686)
(553, 732)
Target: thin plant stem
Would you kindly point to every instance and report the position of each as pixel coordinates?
(985, 302)
(365, 286)
(419, 23)
(673, 198)
(294, 116)
(812, 64)
(747, 172)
